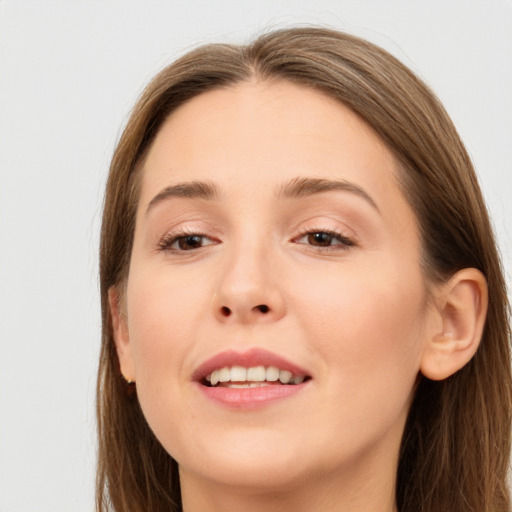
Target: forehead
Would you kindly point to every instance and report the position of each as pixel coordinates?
(255, 134)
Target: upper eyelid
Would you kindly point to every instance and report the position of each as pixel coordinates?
(332, 226)
(333, 232)
(184, 234)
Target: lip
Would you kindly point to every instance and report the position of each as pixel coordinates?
(253, 357)
(248, 398)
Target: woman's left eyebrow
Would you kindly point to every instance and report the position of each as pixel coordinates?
(303, 187)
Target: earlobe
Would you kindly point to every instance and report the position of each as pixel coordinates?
(121, 334)
(462, 306)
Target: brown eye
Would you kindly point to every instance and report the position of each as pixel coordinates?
(185, 242)
(188, 242)
(328, 239)
(321, 239)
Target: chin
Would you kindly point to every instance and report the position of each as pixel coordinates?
(250, 464)
(270, 475)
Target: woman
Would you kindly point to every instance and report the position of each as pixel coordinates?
(303, 305)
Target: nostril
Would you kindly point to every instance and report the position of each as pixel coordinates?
(263, 308)
(225, 311)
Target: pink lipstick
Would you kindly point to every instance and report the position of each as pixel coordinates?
(250, 379)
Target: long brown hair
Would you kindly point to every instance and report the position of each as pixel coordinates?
(455, 448)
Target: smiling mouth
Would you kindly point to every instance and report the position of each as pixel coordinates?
(252, 377)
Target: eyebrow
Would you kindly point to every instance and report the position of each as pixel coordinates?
(304, 187)
(190, 190)
(294, 189)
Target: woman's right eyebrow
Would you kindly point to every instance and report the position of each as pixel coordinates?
(188, 189)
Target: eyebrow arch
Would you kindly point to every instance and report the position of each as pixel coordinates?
(304, 187)
(189, 189)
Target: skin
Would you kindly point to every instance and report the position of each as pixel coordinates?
(356, 315)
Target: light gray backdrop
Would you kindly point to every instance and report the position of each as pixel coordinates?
(69, 73)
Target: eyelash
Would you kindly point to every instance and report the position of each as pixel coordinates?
(169, 240)
(344, 242)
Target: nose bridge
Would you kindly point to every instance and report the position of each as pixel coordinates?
(248, 289)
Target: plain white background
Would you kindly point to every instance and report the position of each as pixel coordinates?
(69, 73)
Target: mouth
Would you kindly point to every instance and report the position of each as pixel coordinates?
(250, 379)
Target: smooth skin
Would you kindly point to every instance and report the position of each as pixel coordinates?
(339, 273)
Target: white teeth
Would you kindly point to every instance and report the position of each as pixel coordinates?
(238, 374)
(272, 374)
(214, 377)
(252, 377)
(256, 374)
(224, 374)
(248, 385)
(285, 376)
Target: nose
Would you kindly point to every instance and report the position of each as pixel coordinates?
(248, 290)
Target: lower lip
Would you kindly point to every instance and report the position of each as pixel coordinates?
(250, 398)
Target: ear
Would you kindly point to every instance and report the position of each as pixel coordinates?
(121, 334)
(462, 306)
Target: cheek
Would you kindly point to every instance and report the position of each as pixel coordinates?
(164, 311)
(369, 332)
(369, 327)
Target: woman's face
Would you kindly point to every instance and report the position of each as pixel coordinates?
(271, 234)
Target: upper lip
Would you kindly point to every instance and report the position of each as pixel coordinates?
(250, 358)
